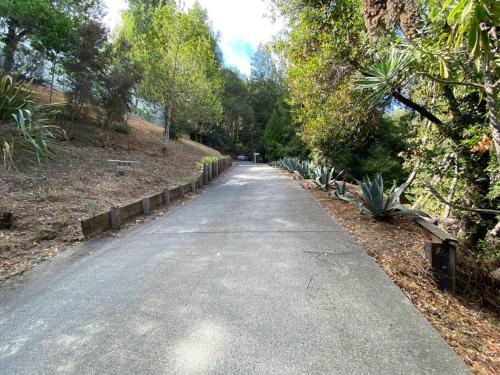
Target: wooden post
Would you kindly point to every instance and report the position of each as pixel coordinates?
(200, 181)
(115, 217)
(209, 174)
(6, 219)
(441, 254)
(166, 196)
(146, 208)
(193, 186)
(205, 174)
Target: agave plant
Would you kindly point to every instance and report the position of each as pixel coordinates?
(324, 176)
(290, 163)
(340, 191)
(380, 205)
(305, 169)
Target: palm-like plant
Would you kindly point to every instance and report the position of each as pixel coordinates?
(380, 205)
(22, 120)
(386, 76)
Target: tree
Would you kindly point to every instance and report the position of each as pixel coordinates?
(239, 115)
(349, 61)
(48, 25)
(266, 89)
(115, 83)
(180, 64)
(83, 64)
(280, 136)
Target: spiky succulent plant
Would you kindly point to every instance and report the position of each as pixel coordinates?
(380, 205)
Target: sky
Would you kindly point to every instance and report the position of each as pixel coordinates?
(241, 24)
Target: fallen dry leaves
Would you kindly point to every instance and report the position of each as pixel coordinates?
(397, 246)
(49, 200)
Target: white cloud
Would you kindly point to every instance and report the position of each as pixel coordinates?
(113, 12)
(237, 21)
(240, 21)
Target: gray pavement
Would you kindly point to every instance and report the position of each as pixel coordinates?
(252, 277)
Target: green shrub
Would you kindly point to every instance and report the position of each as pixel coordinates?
(121, 128)
(209, 159)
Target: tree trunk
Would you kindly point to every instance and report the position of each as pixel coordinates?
(52, 80)
(491, 95)
(416, 107)
(9, 50)
(453, 187)
(168, 122)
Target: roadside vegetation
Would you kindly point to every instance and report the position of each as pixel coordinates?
(385, 228)
(402, 97)
(406, 94)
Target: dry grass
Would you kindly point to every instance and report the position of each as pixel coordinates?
(49, 200)
(397, 246)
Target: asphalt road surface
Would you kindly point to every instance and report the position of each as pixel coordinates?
(251, 277)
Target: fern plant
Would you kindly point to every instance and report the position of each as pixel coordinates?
(379, 205)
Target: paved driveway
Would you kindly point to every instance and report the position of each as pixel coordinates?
(252, 277)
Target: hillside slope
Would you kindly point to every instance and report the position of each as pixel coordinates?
(49, 200)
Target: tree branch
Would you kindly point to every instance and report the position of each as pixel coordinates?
(447, 82)
(416, 107)
(458, 207)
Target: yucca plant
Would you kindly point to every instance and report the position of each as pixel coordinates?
(324, 176)
(380, 205)
(340, 191)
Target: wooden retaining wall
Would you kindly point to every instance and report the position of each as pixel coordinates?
(118, 215)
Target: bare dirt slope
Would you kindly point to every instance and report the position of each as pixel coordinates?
(49, 200)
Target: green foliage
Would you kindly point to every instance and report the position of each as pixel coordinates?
(379, 205)
(83, 65)
(121, 128)
(266, 90)
(23, 124)
(115, 83)
(209, 159)
(238, 113)
(177, 53)
(13, 97)
(50, 26)
(280, 135)
(385, 76)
